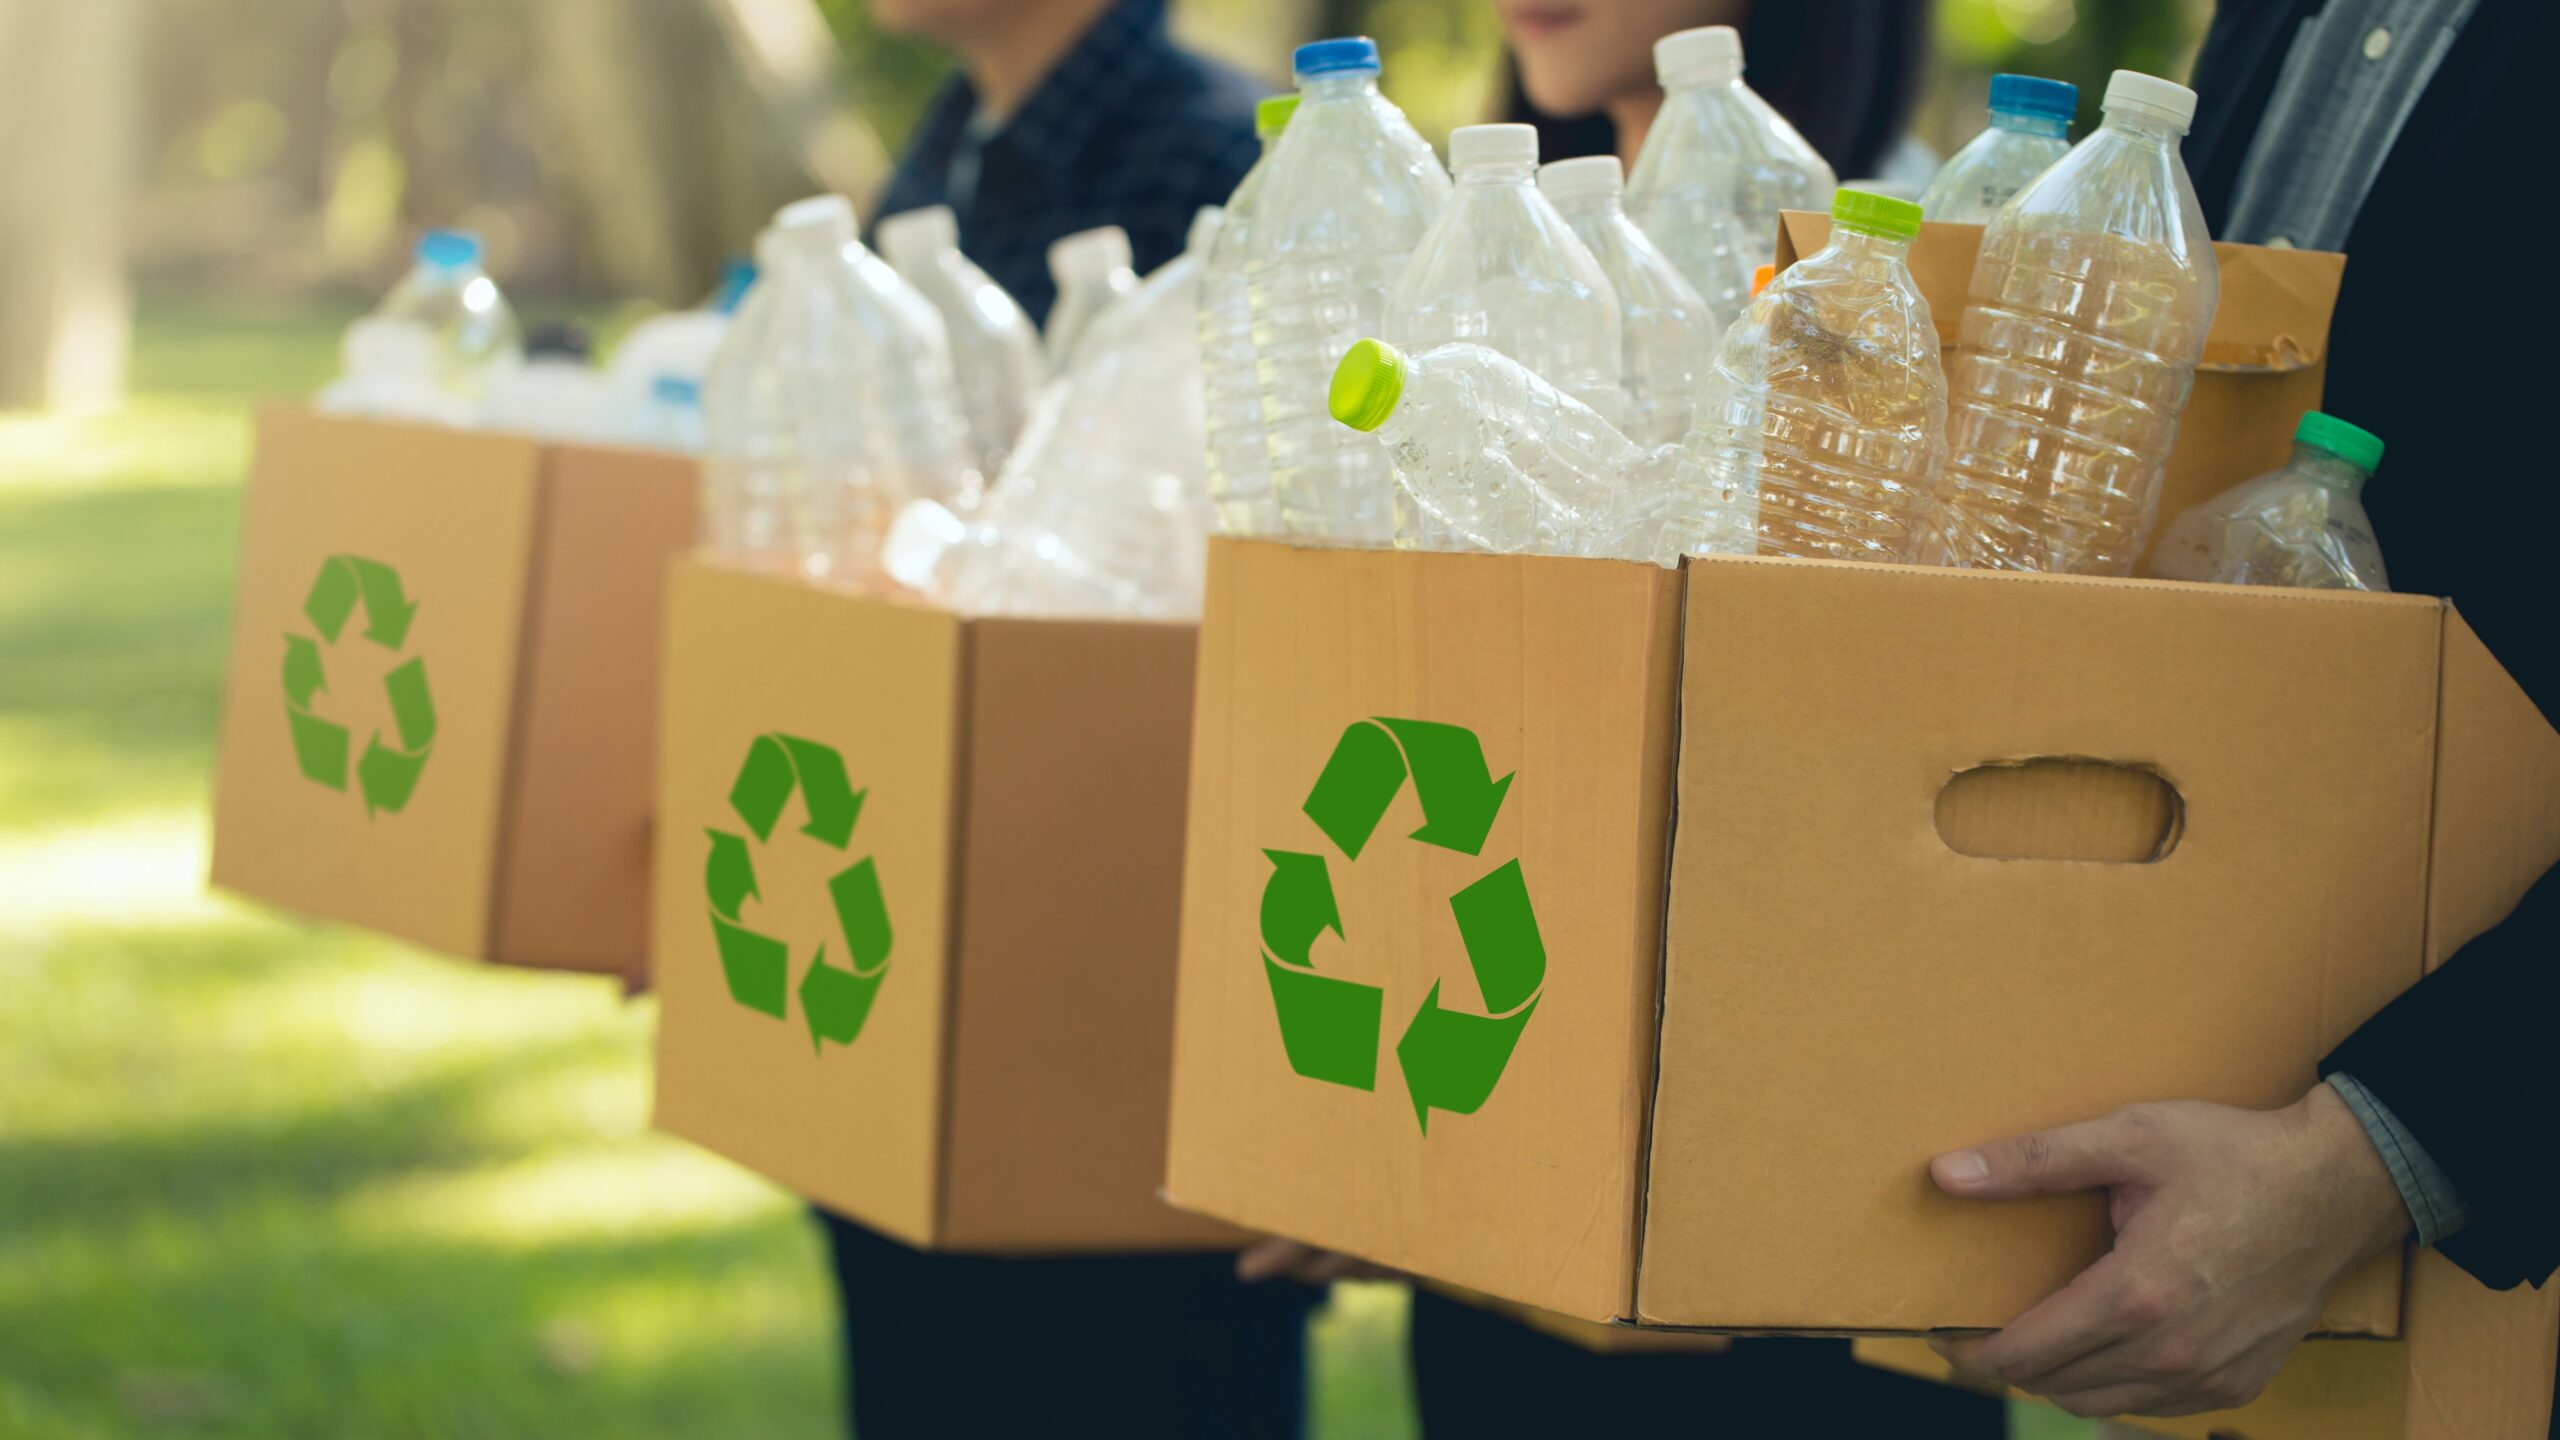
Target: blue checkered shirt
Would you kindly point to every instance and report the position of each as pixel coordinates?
(1128, 129)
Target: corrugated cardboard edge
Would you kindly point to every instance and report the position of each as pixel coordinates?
(1649, 1045)
(963, 700)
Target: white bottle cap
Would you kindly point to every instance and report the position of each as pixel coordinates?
(916, 541)
(1696, 57)
(830, 215)
(2150, 92)
(912, 238)
(1089, 254)
(1584, 178)
(1474, 145)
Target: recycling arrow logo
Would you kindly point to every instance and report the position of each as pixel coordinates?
(835, 1000)
(388, 773)
(1330, 1026)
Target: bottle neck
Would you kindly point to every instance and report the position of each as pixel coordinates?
(2030, 124)
(1862, 248)
(1593, 204)
(1497, 173)
(1338, 85)
(1716, 77)
(2151, 127)
(2327, 468)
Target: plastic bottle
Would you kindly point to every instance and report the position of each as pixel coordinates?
(388, 371)
(555, 394)
(1665, 329)
(1717, 166)
(2030, 129)
(830, 404)
(2088, 311)
(2302, 526)
(454, 300)
(1239, 461)
(657, 371)
(1492, 455)
(1823, 421)
(995, 354)
(1093, 274)
(1352, 190)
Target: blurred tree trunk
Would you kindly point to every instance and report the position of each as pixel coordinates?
(68, 124)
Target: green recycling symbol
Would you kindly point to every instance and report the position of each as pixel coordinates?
(1330, 1026)
(387, 774)
(834, 1000)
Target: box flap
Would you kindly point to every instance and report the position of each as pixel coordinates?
(2480, 1360)
(2497, 815)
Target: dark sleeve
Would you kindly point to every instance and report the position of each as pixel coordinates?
(2464, 1060)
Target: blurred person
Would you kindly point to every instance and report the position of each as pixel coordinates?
(2386, 129)
(1067, 115)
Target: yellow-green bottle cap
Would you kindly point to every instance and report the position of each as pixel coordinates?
(1271, 115)
(1367, 385)
(1872, 214)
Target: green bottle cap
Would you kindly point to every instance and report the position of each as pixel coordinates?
(1271, 115)
(1872, 214)
(2352, 443)
(1367, 385)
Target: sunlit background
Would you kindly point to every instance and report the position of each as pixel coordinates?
(265, 1178)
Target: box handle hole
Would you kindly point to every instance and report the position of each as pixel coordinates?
(2061, 808)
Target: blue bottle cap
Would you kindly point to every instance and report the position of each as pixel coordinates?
(737, 277)
(1335, 57)
(449, 249)
(2034, 95)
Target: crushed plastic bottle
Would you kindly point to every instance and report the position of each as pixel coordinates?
(995, 354)
(1352, 190)
(2030, 129)
(1104, 509)
(1823, 421)
(1495, 457)
(1239, 461)
(450, 296)
(2088, 310)
(555, 394)
(830, 404)
(1717, 166)
(388, 371)
(1093, 274)
(2303, 526)
(1666, 330)
(657, 371)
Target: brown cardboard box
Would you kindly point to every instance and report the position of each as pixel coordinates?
(441, 709)
(1769, 984)
(937, 997)
(2265, 358)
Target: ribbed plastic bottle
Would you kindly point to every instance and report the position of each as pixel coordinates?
(995, 354)
(2087, 314)
(658, 369)
(1093, 274)
(830, 404)
(2030, 129)
(1239, 460)
(1492, 455)
(1665, 329)
(1352, 190)
(2303, 526)
(450, 295)
(1717, 166)
(1822, 423)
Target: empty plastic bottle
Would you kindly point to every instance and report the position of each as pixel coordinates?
(995, 354)
(1093, 274)
(1352, 190)
(1823, 421)
(657, 371)
(1665, 329)
(1494, 456)
(2302, 526)
(1717, 166)
(448, 294)
(2087, 313)
(1239, 461)
(556, 393)
(388, 371)
(2030, 129)
(830, 404)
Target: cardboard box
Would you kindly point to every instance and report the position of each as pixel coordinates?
(443, 677)
(1760, 982)
(915, 912)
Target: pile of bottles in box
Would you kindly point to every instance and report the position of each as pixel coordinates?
(1364, 348)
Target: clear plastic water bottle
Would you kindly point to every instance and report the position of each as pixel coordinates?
(1239, 461)
(2303, 526)
(2030, 129)
(556, 394)
(1823, 421)
(1103, 510)
(1717, 166)
(1494, 456)
(1093, 274)
(2087, 313)
(830, 404)
(995, 353)
(388, 371)
(1666, 330)
(657, 371)
(448, 294)
(1352, 189)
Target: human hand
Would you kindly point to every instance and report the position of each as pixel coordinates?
(1278, 1259)
(2232, 1228)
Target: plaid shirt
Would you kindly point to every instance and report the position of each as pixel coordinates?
(1127, 130)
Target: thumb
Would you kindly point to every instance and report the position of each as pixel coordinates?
(2090, 1155)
